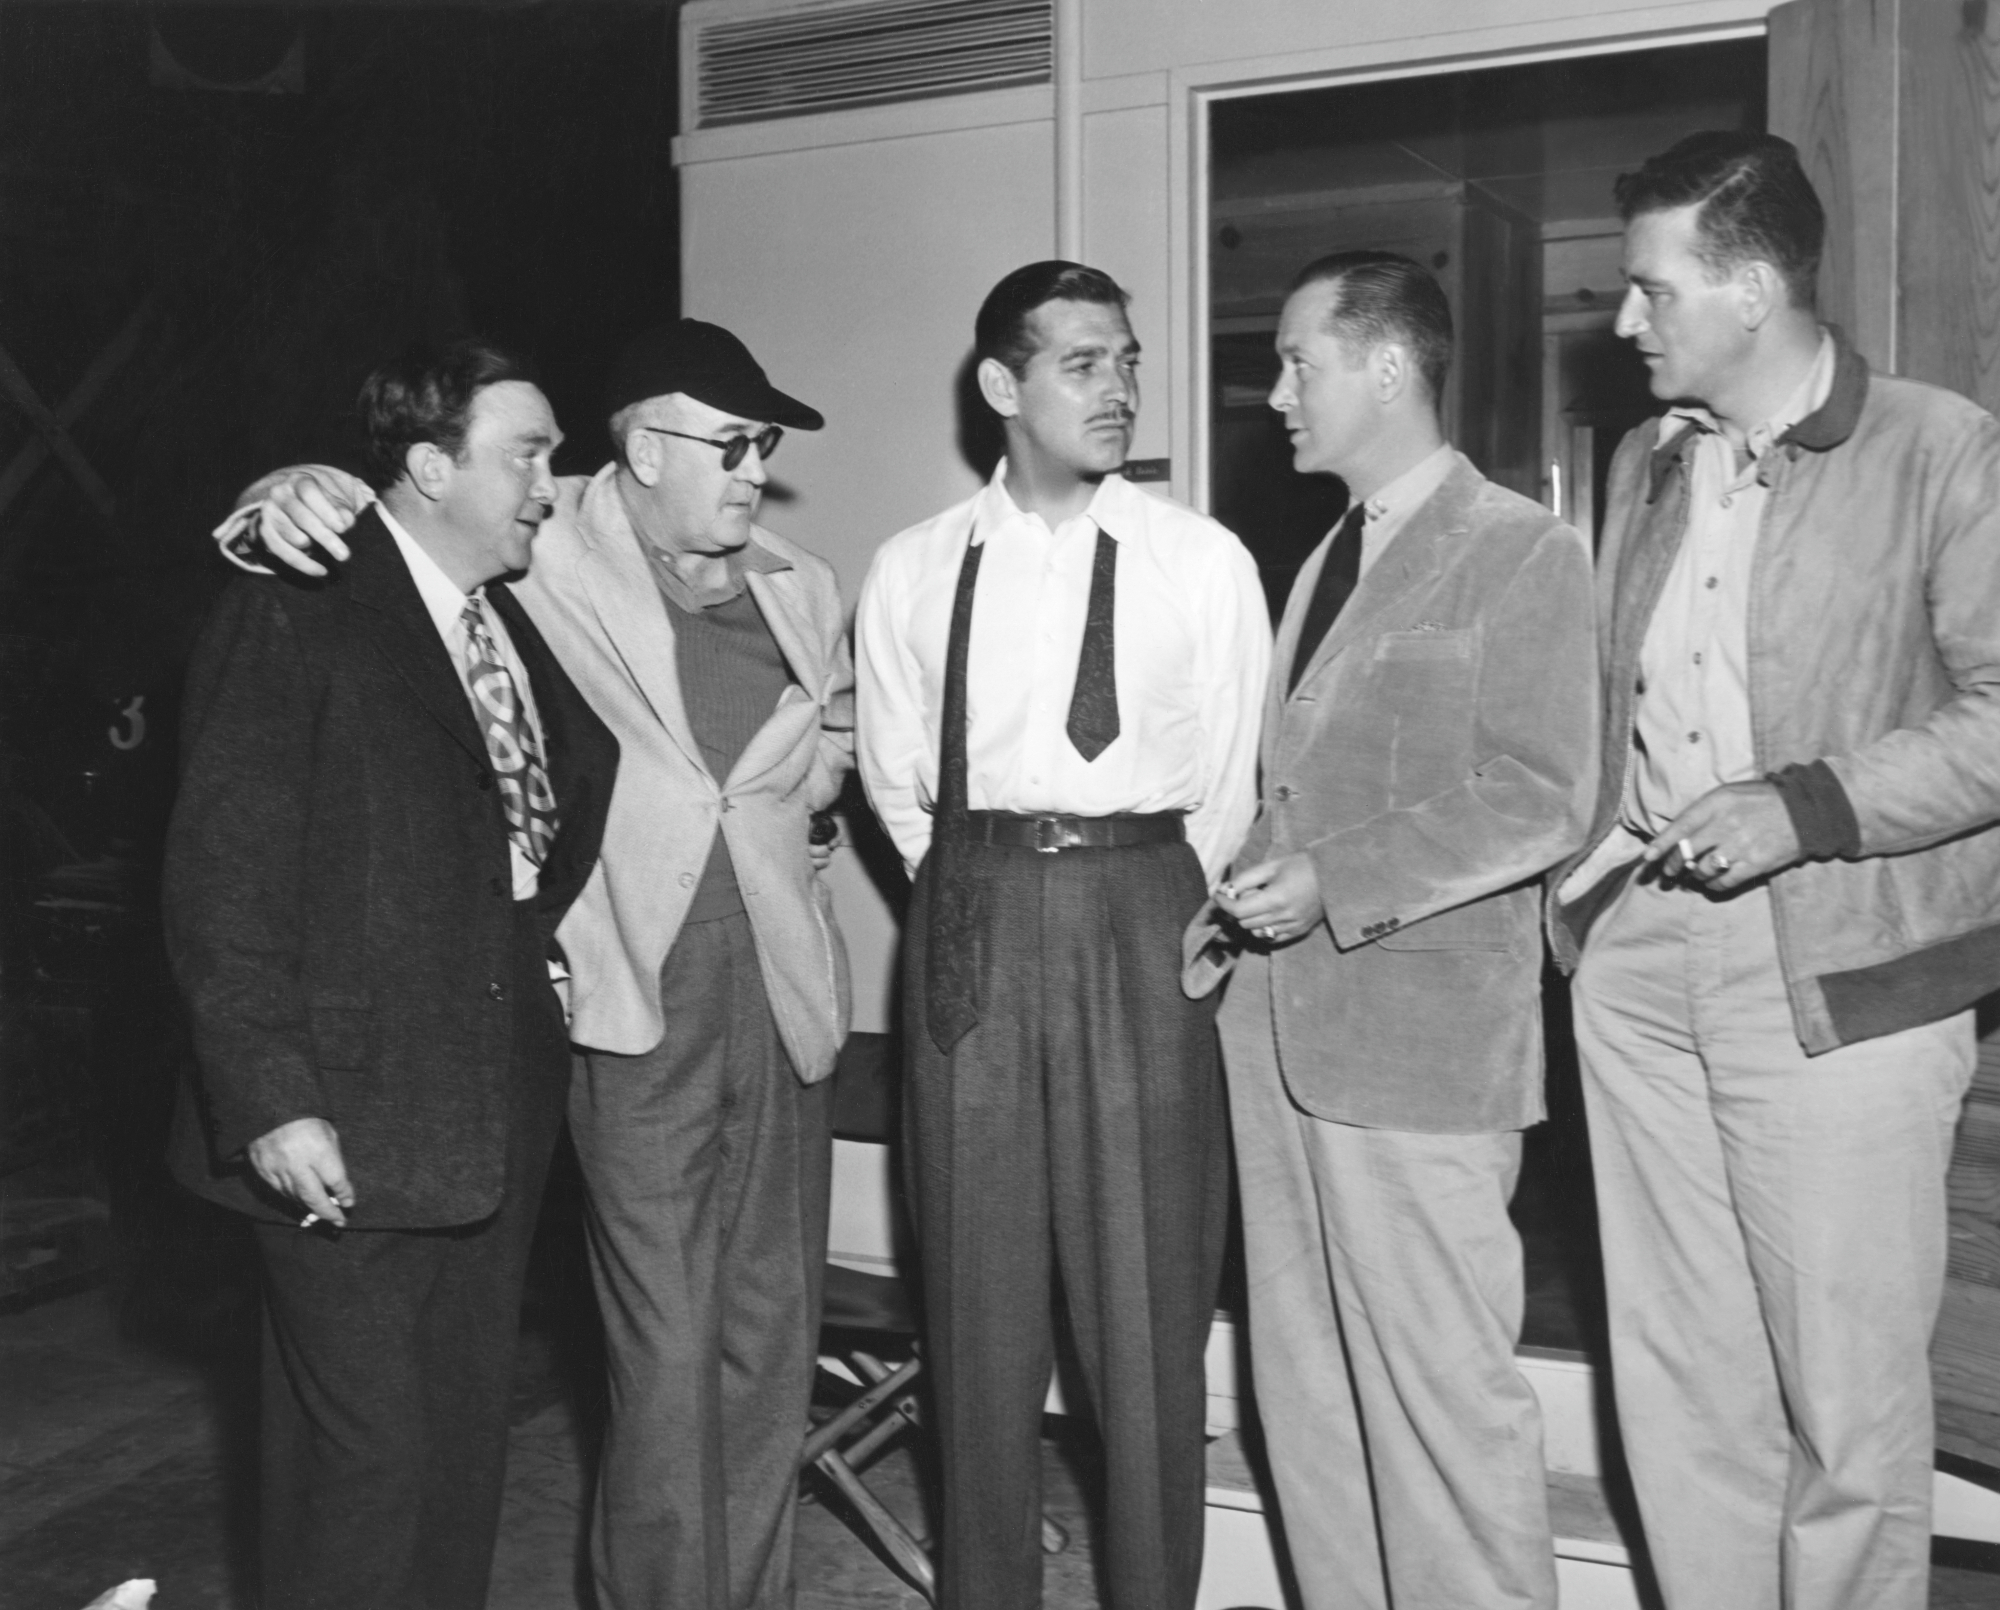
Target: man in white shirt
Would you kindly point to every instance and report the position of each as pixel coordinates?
(1428, 752)
(391, 795)
(1059, 683)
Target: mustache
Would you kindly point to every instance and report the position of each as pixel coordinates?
(1115, 416)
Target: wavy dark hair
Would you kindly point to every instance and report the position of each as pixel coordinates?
(425, 395)
(1757, 205)
(1001, 330)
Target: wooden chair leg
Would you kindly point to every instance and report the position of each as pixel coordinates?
(894, 1536)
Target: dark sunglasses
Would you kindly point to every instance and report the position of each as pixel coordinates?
(735, 449)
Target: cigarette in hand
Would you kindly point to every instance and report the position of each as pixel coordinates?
(308, 1221)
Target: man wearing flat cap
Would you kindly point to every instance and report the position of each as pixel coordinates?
(709, 990)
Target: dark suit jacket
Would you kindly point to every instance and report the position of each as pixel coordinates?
(1438, 755)
(339, 899)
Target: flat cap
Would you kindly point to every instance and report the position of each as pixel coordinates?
(705, 362)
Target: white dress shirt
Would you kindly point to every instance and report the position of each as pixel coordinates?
(1192, 651)
(446, 605)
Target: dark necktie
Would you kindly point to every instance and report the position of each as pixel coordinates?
(1093, 707)
(951, 988)
(1337, 579)
(525, 795)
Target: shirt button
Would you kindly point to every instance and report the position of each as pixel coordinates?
(687, 880)
(1697, 658)
(1728, 502)
(1713, 581)
(1694, 737)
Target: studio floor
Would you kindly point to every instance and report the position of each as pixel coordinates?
(122, 1458)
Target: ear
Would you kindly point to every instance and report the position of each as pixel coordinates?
(1760, 292)
(999, 387)
(428, 468)
(643, 456)
(1389, 370)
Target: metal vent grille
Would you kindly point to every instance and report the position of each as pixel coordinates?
(832, 58)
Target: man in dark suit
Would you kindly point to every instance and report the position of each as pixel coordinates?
(1428, 752)
(391, 793)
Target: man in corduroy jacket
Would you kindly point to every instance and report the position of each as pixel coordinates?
(1789, 901)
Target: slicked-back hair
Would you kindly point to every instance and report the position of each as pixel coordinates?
(1382, 296)
(1001, 330)
(425, 395)
(1757, 205)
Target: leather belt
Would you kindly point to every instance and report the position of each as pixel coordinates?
(1052, 833)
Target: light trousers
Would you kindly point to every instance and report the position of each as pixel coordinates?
(1385, 1303)
(1774, 1247)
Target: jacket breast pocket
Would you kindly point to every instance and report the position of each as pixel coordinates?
(343, 1031)
(1418, 648)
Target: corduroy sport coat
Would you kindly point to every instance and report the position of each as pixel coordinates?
(1436, 758)
(339, 896)
(592, 593)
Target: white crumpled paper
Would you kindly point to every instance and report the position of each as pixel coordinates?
(134, 1595)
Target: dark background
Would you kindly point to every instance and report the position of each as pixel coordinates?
(230, 262)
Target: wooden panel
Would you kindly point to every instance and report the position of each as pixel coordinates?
(1833, 95)
(1948, 201)
(1498, 382)
(1965, 1357)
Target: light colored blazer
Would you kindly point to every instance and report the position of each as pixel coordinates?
(1438, 756)
(593, 595)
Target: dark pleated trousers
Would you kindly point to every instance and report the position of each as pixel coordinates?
(708, 1168)
(389, 1365)
(1078, 1129)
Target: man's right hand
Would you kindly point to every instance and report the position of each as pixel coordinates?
(307, 506)
(302, 1160)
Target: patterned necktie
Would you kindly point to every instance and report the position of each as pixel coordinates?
(1093, 707)
(951, 988)
(1337, 579)
(525, 794)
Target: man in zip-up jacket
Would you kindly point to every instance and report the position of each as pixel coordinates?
(1789, 901)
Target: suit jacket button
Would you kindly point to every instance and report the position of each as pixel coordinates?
(497, 885)
(484, 781)
(1283, 790)
(497, 991)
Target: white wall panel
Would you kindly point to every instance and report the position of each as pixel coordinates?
(854, 272)
(1125, 234)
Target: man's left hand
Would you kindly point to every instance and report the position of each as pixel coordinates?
(1276, 901)
(1731, 836)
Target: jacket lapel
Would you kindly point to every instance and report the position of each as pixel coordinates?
(635, 618)
(1412, 558)
(778, 596)
(380, 582)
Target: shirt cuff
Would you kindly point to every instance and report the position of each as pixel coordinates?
(237, 538)
(1822, 815)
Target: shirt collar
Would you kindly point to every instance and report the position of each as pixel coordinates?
(443, 600)
(1412, 487)
(1807, 398)
(750, 559)
(1110, 508)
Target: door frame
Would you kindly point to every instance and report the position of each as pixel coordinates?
(1193, 90)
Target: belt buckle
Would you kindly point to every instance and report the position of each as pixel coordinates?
(1048, 835)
